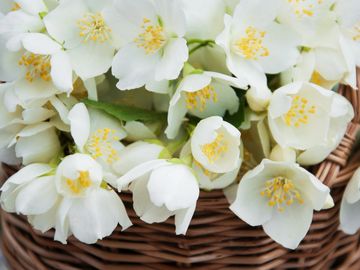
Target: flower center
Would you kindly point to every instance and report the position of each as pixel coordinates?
(15, 7)
(251, 46)
(100, 144)
(299, 112)
(356, 36)
(206, 172)
(281, 192)
(302, 8)
(80, 184)
(199, 98)
(214, 150)
(38, 66)
(93, 27)
(152, 38)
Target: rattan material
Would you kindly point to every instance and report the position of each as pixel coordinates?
(216, 238)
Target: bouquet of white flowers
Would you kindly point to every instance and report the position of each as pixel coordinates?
(164, 98)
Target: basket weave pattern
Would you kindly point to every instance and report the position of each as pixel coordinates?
(216, 239)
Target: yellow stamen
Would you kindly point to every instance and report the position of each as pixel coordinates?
(80, 184)
(152, 38)
(214, 150)
(251, 45)
(15, 7)
(304, 8)
(38, 66)
(198, 99)
(281, 192)
(299, 112)
(101, 143)
(93, 28)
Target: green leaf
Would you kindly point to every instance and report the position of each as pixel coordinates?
(124, 112)
(237, 118)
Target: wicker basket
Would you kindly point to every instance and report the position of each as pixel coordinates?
(216, 239)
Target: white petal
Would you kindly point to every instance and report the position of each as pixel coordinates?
(178, 192)
(172, 14)
(352, 191)
(61, 109)
(32, 6)
(91, 59)
(62, 223)
(37, 197)
(288, 228)
(44, 222)
(256, 12)
(143, 206)
(176, 115)
(133, 67)
(136, 154)
(349, 216)
(80, 124)
(139, 171)
(282, 44)
(89, 222)
(61, 23)
(61, 71)
(195, 82)
(28, 147)
(27, 174)
(172, 61)
(257, 212)
(38, 43)
(183, 219)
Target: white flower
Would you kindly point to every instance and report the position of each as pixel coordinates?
(209, 180)
(40, 63)
(31, 137)
(350, 206)
(81, 26)
(26, 129)
(15, 195)
(88, 210)
(348, 17)
(308, 118)
(97, 134)
(23, 17)
(162, 189)
(329, 31)
(255, 44)
(154, 48)
(312, 19)
(215, 144)
(203, 95)
(73, 200)
(281, 197)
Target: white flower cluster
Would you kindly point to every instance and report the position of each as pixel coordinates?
(164, 98)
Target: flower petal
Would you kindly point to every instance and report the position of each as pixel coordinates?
(89, 222)
(61, 71)
(80, 124)
(133, 67)
(175, 55)
(288, 228)
(139, 171)
(135, 154)
(38, 43)
(183, 218)
(181, 191)
(46, 196)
